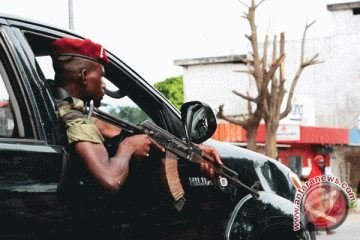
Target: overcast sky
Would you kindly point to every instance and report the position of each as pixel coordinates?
(150, 35)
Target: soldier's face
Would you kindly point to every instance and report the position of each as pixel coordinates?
(96, 85)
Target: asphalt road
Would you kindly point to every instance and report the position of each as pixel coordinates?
(349, 230)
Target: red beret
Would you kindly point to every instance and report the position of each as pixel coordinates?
(80, 48)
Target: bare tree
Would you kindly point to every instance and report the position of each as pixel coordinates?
(262, 76)
(269, 98)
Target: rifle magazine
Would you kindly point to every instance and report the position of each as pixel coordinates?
(170, 178)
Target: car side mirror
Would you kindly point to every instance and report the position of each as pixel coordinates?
(199, 121)
(115, 94)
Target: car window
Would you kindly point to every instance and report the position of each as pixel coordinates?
(6, 112)
(45, 64)
(124, 108)
(10, 114)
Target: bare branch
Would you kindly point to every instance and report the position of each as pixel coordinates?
(244, 4)
(249, 106)
(267, 32)
(251, 63)
(311, 24)
(220, 114)
(245, 15)
(252, 57)
(266, 42)
(272, 97)
(303, 65)
(266, 111)
(244, 71)
(245, 97)
(273, 68)
(282, 50)
(280, 97)
(278, 91)
(303, 40)
(312, 61)
(264, 60)
(274, 54)
(258, 73)
(291, 93)
(260, 3)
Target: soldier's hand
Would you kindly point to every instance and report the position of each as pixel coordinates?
(211, 151)
(141, 145)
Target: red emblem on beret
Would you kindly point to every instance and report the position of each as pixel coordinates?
(80, 48)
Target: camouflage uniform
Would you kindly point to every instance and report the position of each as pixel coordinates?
(83, 198)
(78, 127)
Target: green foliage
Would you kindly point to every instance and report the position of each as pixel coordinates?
(352, 204)
(172, 89)
(132, 115)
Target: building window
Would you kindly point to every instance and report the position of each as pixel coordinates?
(356, 11)
(295, 164)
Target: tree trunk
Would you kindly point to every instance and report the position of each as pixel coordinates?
(251, 133)
(270, 139)
(252, 127)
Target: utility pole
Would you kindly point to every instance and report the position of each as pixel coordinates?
(71, 15)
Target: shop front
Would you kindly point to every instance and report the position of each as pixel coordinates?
(298, 145)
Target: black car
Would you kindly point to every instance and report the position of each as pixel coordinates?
(34, 156)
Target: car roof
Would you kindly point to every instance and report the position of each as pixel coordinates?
(10, 17)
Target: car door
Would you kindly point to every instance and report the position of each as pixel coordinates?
(30, 167)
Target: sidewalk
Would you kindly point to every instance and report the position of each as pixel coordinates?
(349, 230)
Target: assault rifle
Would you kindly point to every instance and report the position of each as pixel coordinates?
(175, 148)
